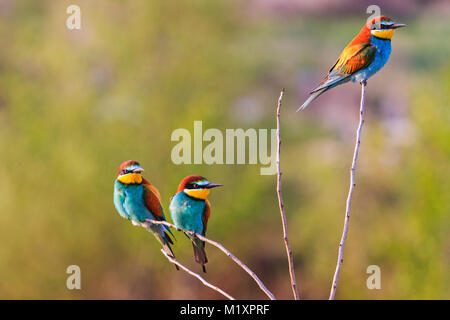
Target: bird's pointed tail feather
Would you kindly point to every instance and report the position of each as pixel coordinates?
(311, 98)
(167, 248)
(163, 238)
(200, 254)
(327, 85)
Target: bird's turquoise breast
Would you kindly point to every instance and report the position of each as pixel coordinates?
(119, 199)
(187, 212)
(129, 201)
(382, 55)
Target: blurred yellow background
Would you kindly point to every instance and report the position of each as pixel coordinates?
(74, 104)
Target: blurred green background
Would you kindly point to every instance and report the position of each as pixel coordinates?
(74, 104)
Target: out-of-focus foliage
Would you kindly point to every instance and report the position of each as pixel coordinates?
(74, 104)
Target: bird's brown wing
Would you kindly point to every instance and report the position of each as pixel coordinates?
(355, 58)
(352, 59)
(152, 200)
(206, 214)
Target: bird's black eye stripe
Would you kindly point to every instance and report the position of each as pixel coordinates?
(192, 186)
(380, 26)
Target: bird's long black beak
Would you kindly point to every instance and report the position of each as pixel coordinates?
(398, 25)
(213, 185)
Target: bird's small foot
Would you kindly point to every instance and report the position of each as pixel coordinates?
(363, 82)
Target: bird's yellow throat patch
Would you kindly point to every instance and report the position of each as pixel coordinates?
(197, 193)
(383, 34)
(131, 178)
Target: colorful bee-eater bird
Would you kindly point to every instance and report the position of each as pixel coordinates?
(190, 210)
(365, 55)
(136, 199)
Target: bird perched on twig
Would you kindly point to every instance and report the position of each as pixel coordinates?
(365, 55)
(136, 199)
(190, 210)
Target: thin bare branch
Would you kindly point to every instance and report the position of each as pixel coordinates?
(222, 248)
(206, 283)
(340, 259)
(281, 205)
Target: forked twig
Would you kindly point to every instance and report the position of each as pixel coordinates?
(206, 283)
(222, 248)
(340, 259)
(281, 205)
